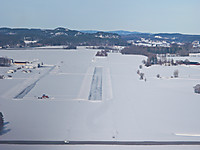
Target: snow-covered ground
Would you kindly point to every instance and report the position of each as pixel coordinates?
(130, 109)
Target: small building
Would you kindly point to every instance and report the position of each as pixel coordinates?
(20, 62)
(197, 88)
(11, 71)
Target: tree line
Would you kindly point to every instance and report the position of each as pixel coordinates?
(151, 52)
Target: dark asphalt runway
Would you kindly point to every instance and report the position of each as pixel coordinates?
(100, 142)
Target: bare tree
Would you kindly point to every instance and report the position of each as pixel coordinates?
(1, 121)
(138, 71)
(144, 61)
(197, 88)
(176, 73)
(141, 76)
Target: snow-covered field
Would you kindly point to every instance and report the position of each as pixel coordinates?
(163, 109)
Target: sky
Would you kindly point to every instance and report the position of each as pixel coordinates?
(154, 16)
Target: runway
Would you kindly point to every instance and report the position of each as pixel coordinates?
(175, 143)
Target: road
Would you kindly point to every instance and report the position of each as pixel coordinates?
(176, 143)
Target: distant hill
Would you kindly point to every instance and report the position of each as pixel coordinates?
(128, 35)
(23, 37)
(169, 37)
(120, 32)
(89, 31)
(20, 37)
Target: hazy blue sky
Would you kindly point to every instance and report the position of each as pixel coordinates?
(133, 15)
